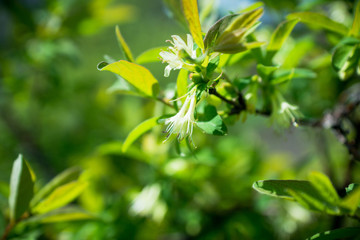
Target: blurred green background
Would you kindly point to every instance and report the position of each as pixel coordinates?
(56, 110)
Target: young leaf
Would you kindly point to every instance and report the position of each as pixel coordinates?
(149, 56)
(64, 214)
(66, 176)
(341, 233)
(138, 131)
(320, 20)
(211, 123)
(21, 189)
(138, 76)
(60, 196)
(191, 13)
(182, 84)
(280, 35)
(355, 29)
(124, 47)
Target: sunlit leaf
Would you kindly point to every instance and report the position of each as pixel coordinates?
(151, 55)
(60, 196)
(355, 29)
(138, 131)
(319, 20)
(211, 123)
(324, 186)
(21, 188)
(280, 35)
(64, 214)
(352, 200)
(191, 13)
(123, 45)
(121, 86)
(341, 233)
(138, 76)
(65, 177)
(182, 84)
(301, 191)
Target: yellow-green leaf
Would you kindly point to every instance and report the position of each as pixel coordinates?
(320, 20)
(351, 201)
(60, 196)
(151, 55)
(64, 177)
(182, 83)
(324, 186)
(280, 34)
(138, 131)
(124, 47)
(191, 13)
(138, 76)
(355, 29)
(64, 214)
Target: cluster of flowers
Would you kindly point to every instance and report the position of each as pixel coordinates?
(182, 123)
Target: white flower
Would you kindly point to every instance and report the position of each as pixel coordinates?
(182, 123)
(172, 56)
(289, 111)
(283, 112)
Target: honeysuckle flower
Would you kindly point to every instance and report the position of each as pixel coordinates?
(182, 123)
(289, 111)
(283, 112)
(172, 55)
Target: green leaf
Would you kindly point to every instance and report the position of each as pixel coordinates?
(212, 66)
(341, 233)
(265, 72)
(138, 131)
(324, 186)
(355, 29)
(138, 76)
(60, 197)
(182, 84)
(283, 75)
(279, 188)
(280, 35)
(64, 214)
(65, 177)
(124, 47)
(319, 20)
(351, 201)
(351, 187)
(191, 13)
(230, 31)
(302, 191)
(211, 123)
(149, 56)
(21, 189)
(345, 60)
